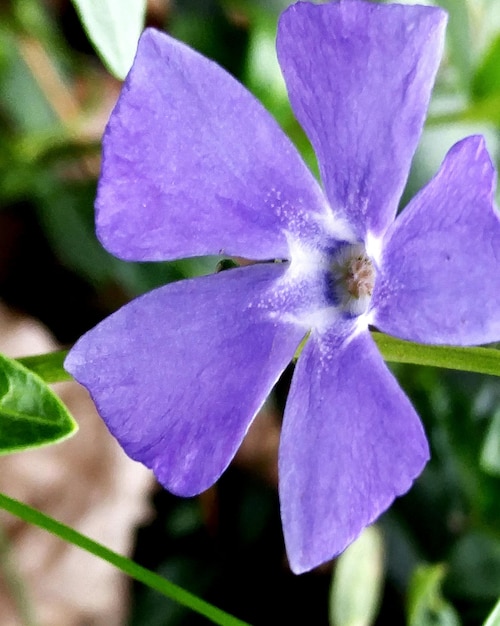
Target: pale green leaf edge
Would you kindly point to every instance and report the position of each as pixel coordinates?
(114, 28)
(493, 618)
(425, 598)
(357, 581)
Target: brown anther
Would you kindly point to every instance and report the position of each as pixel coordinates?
(354, 278)
(359, 277)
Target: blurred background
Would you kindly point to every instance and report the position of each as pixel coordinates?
(434, 558)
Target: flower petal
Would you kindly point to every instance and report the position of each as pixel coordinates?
(178, 374)
(440, 276)
(351, 443)
(359, 76)
(194, 165)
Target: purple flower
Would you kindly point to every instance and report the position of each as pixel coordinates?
(193, 165)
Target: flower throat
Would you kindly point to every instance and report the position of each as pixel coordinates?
(353, 275)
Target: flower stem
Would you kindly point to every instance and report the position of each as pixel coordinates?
(472, 359)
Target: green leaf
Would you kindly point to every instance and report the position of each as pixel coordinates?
(357, 582)
(494, 617)
(31, 415)
(474, 566)
(486, 110)
(19, 86)
(480, 360)
(426, 605)
(114, 27)
(486, 81)
(490, 454)
(49, 367)
(459, 38)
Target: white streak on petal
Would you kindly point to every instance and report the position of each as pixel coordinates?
(373, 247)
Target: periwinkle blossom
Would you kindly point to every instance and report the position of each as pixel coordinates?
(193, 165)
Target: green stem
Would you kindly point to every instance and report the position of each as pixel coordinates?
(479, 360)
(139, 573)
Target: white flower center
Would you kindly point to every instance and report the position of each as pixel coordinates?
(353, 276)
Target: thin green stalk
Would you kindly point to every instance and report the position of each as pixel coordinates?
(479, 360)
(139, 573)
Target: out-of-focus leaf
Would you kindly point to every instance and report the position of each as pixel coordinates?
(263, 73)
(474, 568)
(485, 110)
(114, 27)
(35, 19)
(264, 78)
(459, 39)
(426, 605)
(490, 455)
(19, 86)
(494, 617)
(486, 80)
(66, 213)
(155, 610)
(31, 415)
(357, 582)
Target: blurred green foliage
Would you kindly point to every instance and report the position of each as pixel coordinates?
(441, 542)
